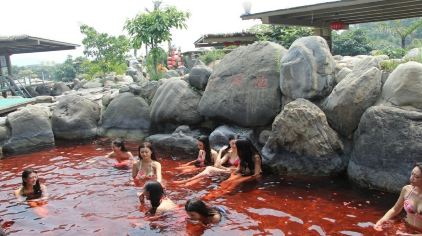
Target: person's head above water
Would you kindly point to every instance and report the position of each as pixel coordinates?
(416, 175)
(198, 210)
(146, 151)
(204, 144)
(154, 192)
(30, 179)
(119, 144)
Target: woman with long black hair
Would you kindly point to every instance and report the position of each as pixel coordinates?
(154, 192)
(31, 188)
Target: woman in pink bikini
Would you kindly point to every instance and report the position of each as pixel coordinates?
(147, 168)
(227, 162)
(121, 154)
(410, 199)
(206, 157)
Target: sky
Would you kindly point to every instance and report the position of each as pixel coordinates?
(60, 20)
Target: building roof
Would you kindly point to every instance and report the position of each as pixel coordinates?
(214, 40)
(26, 44)
(346, 11)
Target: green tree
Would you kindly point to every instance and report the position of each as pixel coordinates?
(151, 28)
(108, 53)
(281, 34)
(65, 71)
(400, 28)
(351, 43)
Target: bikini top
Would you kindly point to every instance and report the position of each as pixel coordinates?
(408, 205)
(234, 163)
(149, 174)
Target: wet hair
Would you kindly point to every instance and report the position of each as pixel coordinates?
(204, 139)
(120, 144)
(37, 187)
(156, 192)
(149, 146)
(246, 152)
(198, 206)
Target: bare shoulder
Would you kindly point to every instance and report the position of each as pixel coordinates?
(156, 164)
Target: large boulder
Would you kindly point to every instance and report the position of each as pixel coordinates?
(404, 86)
(30, 129)
(220, 136)
(75, 117)
(176, 145)
(43, 89)
(59, 88)
(350, 98)
(175, 102)
(308, 69)
(414, 53)
(198, 76)
(126, 116)
(148, 89)
(96, 83)
(243, 88)
(302, 143)
(387, 143)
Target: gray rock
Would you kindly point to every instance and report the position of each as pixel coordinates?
(96, 83)
(44, 99)
(59, 88)
(124, 89)
(148, 90)
(126, 116)
(243, 88)
(175, 102)
(350, 98)
(31, 91)
(176, 145)
(302, 143)
(30, 129)
(413, 53)
(342, 74)
(387, 143)
(307, 70)
(264, 136)
(171, 74)
(404, 86)
(220, 136)
(135, 89)
(198, 76)
(4, 134)
(43, 89)
(75, 118)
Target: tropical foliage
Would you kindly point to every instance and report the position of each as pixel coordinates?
(281, 34)
(151, 28)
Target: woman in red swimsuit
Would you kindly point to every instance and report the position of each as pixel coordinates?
(249, 169)
(410, 199)
(229, 162)
(121, 154)
(206, 157)
(147, 168)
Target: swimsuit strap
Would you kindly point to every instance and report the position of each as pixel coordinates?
(410, 193)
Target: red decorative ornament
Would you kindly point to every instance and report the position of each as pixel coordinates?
(337, 25)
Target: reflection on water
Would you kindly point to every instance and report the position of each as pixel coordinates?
(89, 197)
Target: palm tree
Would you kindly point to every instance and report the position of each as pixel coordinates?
(397, 27)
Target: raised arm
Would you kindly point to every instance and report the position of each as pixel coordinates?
(44, 195)
(395, 210)
(109, 155)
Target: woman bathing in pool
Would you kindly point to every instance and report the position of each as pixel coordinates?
(147, 167)
(228, 163)
(154, 192)
(121, 154)
(410, 200)
(31, 188)
(206, 157)
(197, 210)
(249, 168)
